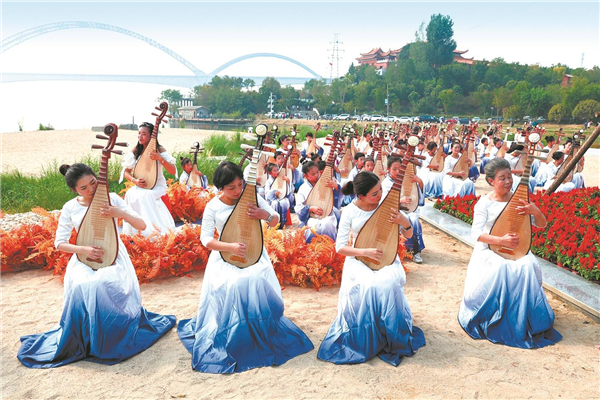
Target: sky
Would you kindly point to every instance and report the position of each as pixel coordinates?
(208, 34)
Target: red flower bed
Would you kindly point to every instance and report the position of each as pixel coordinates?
(571, 238)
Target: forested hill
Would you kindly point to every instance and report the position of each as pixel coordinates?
(424, 80)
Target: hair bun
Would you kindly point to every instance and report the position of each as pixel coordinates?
(64, 168)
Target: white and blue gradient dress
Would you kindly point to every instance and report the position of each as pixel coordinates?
(503, 300)
(240, 323)
(374, 317)
(102, 319)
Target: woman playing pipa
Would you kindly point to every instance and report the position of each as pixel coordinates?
(144, 168)
(373, 315)
(503, 300)
(239, 324)
(102, 319)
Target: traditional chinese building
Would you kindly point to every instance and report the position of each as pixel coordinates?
(381, 59)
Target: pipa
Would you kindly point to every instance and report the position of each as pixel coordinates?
(510, 221)
(312, 147)
(294, 157)
(321, 195)
(147, 168)
(378, 232)
(463, 162)
(410, 189)
(279, 183)
(502, 152)
(378, 143)
(554, 148)
(346, 163)
(238, 227)
(195, 179)
(438, 157)
(96, 230)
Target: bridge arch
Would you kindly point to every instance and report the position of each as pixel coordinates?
(256, 55)
(20, 37)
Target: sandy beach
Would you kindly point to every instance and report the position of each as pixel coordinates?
(451, 365)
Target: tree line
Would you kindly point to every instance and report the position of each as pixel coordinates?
(425, 79)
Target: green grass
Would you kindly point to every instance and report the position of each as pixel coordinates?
(21, 193)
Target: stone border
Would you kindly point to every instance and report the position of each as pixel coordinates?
(573, 289)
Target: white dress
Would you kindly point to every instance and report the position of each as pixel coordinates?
(240, 323)
(503, 300)
(102, 319)
(374, 317)
(453, 186)
(147, 202)
(432, 181)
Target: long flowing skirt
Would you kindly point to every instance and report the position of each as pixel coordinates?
(102, 319)
(149, 205)
(373, 319)
(454, 186)
(504, 302)
(240, 323)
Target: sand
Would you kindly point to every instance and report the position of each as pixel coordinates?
(451, 365)
(31, 152)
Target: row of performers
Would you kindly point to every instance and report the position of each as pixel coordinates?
(240, 323)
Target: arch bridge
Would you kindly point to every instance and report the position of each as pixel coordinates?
(198, 78)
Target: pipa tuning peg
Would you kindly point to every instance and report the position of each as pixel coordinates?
(97, 146)
(118, 152)
(165, 121)
(249, 137)
(169, 116)
(102, 137)
(122, 144)
(270, 146)
(155, 114)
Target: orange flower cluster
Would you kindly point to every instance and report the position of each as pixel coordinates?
(302, 264)
(178, 253)
(188, 205)
(32, 246)
(172, 254)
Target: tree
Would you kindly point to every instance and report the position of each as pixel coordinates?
(558, 113)
(585, 110)
(450, 99)
(171, 96)
(439, 38)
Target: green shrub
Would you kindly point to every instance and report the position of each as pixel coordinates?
(43, 127)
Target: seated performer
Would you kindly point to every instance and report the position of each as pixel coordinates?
(186, 165)
(551, 170)
(240, 323)
(309, 138)
(369, 164)
(359, 163)
(451, 185)
(102, 319)
(374, 317)
(147, 202)
(513, 160)
(327, 225)
(281, 206)
(432, 181)
(503, 300)
(416, 244)
(484, 160)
